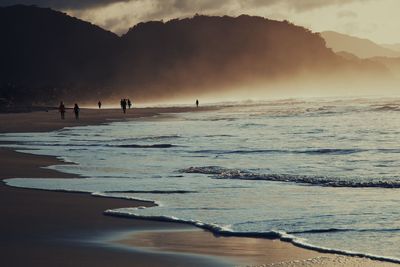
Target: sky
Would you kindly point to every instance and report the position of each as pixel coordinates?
(377, 20)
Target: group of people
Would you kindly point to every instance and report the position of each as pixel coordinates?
(62, 110)
(125, 102)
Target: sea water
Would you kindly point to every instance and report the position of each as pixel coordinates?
(321, 173)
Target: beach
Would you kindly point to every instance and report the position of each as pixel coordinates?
(45, 228)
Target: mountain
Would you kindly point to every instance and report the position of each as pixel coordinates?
(348, 55)
(48, 56)
(203, 53)
(362, 48)
(394, 47)
(51, 52)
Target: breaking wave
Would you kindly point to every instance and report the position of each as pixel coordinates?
(74, 145)
(224, 173)
(387, 107)
(320, 151)
(226, 231)
(336, 230)
(147, 138)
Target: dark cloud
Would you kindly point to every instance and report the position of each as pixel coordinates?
(61, 4)
(183, 5)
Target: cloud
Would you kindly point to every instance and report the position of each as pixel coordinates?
(62, 4)
(169, 7)
(297, 5)
(119, 15)
(346, 14)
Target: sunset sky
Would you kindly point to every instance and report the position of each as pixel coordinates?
(377, 20)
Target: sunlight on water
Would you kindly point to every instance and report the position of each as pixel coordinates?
(325, 172)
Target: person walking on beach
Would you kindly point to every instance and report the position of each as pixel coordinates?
(99, 104)
(129, 103)
(61, 109)
(123, 105)
(197, 103)
(76, 111)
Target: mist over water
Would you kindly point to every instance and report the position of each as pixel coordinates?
(320, 172)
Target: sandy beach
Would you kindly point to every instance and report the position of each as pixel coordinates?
(41, 121)
(44, 228)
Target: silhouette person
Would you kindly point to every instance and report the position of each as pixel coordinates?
(61, 109)
(123, 104)
(76, 111)
(129, 103)
(197, 103)
(99, 104)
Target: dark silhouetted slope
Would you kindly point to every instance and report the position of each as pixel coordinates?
(203, 54)
(45, 49)
(212, 52)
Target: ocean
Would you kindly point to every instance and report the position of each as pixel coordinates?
(320, 173)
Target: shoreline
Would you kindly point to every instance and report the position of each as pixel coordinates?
(59, 228)
(32, 164)
(42, 121)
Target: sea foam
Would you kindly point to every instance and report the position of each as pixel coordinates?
(224, 173)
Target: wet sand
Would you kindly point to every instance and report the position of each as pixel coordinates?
(244, 251)
(44, 228)
(41, 121)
